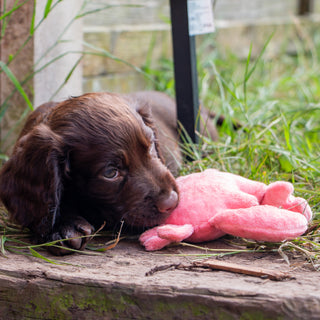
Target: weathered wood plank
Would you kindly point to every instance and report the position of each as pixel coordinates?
(115, 286)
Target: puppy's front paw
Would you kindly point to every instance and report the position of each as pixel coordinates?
(77, 230)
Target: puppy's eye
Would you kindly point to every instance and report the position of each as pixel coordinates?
(111, 173)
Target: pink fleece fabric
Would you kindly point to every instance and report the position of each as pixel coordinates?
(213, 203)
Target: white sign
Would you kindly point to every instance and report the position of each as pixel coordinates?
(200, 17)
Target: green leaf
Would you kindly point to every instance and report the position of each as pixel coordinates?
(12, 10)
(16, 83)
(3, 239)
(249, 73)
(38, 255)
(285, 163)
(67, 77)
(47, 8)
(33, 19)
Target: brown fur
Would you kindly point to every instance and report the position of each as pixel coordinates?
(87, 160)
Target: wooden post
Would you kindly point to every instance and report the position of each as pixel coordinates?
(15, 30)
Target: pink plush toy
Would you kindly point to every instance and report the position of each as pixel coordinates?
(214, 203)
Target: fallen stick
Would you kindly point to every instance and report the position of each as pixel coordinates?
(224, 266)
(175, 266)
(248, 270)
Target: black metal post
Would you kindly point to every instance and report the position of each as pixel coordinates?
(305, 7)
(185, 68)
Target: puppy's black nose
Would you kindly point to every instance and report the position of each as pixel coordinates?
(167, 204)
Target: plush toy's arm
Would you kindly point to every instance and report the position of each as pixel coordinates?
(159, 237)
(262, 223)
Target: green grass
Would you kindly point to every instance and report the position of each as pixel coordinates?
(278, 105)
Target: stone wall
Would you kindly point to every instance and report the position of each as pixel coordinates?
(130, 30)
(139, 32)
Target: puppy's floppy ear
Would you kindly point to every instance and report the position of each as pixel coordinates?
(145, 112)
(31, 181)
(141, 105)
(144, 109)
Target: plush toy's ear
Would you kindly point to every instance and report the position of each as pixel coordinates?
(280, 194)
(31, 182)
(277, 193)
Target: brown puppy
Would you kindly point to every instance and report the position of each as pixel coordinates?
(83, 161)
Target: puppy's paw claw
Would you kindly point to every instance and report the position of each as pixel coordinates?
(77, 232)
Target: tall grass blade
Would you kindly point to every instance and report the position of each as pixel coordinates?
(3, 239)
(101, 52)
(8, 13)
(33, 19)
(67, 77)
(47, 8)
(249, 73)
(16, 83)
(40, 256)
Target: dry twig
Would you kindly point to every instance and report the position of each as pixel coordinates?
(248, 270)
(214, 264)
